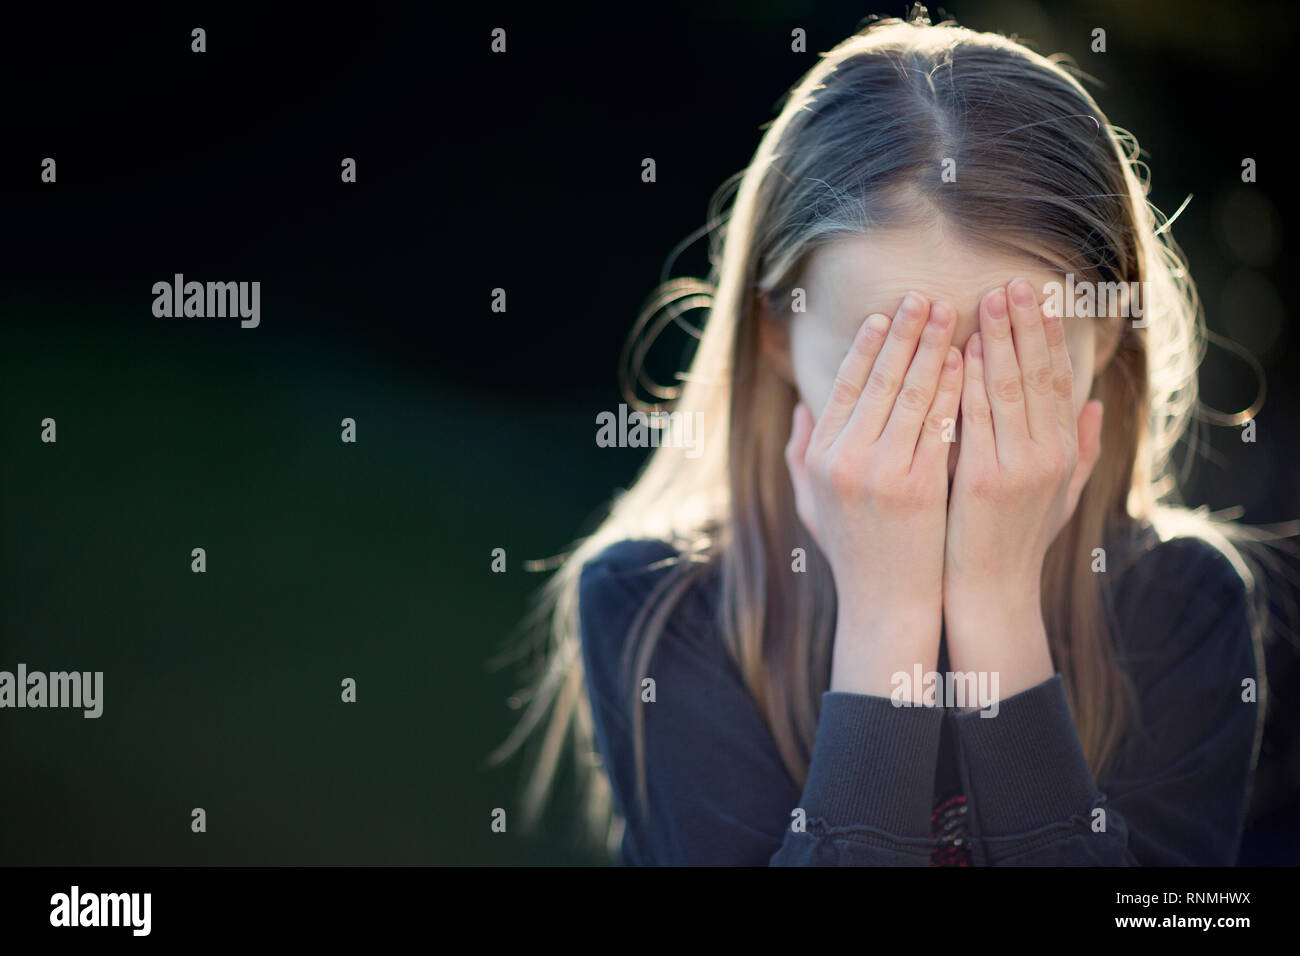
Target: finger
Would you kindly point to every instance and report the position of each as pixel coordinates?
(976, 414)
(903, 429)
(886, 378)
(933, 447)
(801, 429)
(851, 379)
(1005, 389)
(1062, 371)
(1035, 361)
(1090, 420)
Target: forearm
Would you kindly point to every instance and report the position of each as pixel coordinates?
(871, 649)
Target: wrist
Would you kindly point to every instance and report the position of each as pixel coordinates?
(1002, 635)
(1009, 597)
(870, 650)
(980, 616)
(909, 634)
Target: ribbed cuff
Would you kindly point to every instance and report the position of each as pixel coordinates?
(873, 764)
(1025, 767)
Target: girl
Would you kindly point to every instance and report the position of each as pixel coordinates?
(923, 470)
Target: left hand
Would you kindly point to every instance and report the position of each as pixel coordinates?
(1023, 463)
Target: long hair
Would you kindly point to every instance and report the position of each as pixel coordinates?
(858, 140)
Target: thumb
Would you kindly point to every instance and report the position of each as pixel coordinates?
(801, 429)
(1090, 420)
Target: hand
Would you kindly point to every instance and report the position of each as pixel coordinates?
(1023, 463)
(870, 482)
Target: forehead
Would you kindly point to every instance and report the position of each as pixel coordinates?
(849, 279)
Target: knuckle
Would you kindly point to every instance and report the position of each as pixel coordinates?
(843, 391)
(1009, 390)
(979, 413)
(1040, 379)
(1063, 385)
(914, 397)
(880, 384)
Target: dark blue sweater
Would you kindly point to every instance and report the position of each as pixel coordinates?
(917, 786)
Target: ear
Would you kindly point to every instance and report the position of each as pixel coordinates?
(774, 339)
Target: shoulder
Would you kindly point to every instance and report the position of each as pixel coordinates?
(1188, 565)
(647, 575)
(633, 563)
(1183, 594)
(615, 583)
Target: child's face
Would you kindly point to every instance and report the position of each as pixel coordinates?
(848, 280)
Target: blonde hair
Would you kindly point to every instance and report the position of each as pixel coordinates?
(858, 141)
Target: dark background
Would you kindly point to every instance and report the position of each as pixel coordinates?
(476, 171)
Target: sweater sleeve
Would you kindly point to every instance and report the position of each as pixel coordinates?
(1179, 792)
(718, 791)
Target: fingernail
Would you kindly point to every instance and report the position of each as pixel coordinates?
(998, 304)
(1022, 293)
(953, 359)
(940, 315)
(976, 346)
(911, 304)
(877, 322)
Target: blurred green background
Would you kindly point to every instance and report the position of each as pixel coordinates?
(324, 560)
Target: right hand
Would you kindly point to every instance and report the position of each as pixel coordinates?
(870, 478)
